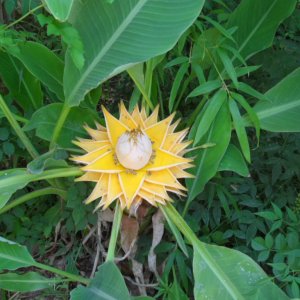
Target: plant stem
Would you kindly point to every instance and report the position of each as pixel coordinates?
(25, 140)
(180, 223)
(59, 272)
(25, 16)
(114, 233)
(32, 195)
(60, 122)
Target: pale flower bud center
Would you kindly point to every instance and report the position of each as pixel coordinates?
(134, 149)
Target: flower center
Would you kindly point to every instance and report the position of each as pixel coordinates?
(134, 149)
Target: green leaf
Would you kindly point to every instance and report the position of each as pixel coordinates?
(178, 236)
(6, 191)
(240, 129)
(233, 160)
(13, 255)
(24, 87)
(45, 119)
(256, 30)
(28, 282)
(108, 284)
(8, 148)
(227, 63)
(69, 36)
(51, 159)
(219, 27)
(223, 273)
(205, 88)
(251, 91)
(4, 134)
(268, 215)
(118, 40)
(208, 159)
(44, 65)
(250, 111)
(281, 113)
(137, 75)
(176, 85)
(209, 115)
(175, 292)
(60, 9)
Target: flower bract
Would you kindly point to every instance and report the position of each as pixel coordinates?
(134, 158)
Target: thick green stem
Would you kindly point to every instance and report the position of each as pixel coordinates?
(14, 124)
(59, 272)
(59, 125)
(32, 195)
(114, 233)
(180, 223)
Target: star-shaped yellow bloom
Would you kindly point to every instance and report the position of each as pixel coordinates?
(135, 157)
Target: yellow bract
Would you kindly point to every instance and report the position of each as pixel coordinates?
(151, 183)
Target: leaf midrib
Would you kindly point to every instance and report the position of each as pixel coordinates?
(136, 9)
(269, 112)
(31, 97)
(257, 27)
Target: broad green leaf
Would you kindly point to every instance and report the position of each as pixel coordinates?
(13, 255)
(208, 159)
(209, 115)
(54, 158)
(44, 65)
(24, 87)
(28, 282)
(233, 160)
(227, 274)
(118, 35)
(176, 85)
(6, 191)
(108, 284)
(60, 9)
(205, 88)
(44, 121)
(281, 113)
(15, 179)
(240, 129)
(257, 22)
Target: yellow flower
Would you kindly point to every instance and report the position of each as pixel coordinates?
(134, 158)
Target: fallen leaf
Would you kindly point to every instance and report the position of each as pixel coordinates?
(158, 231)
